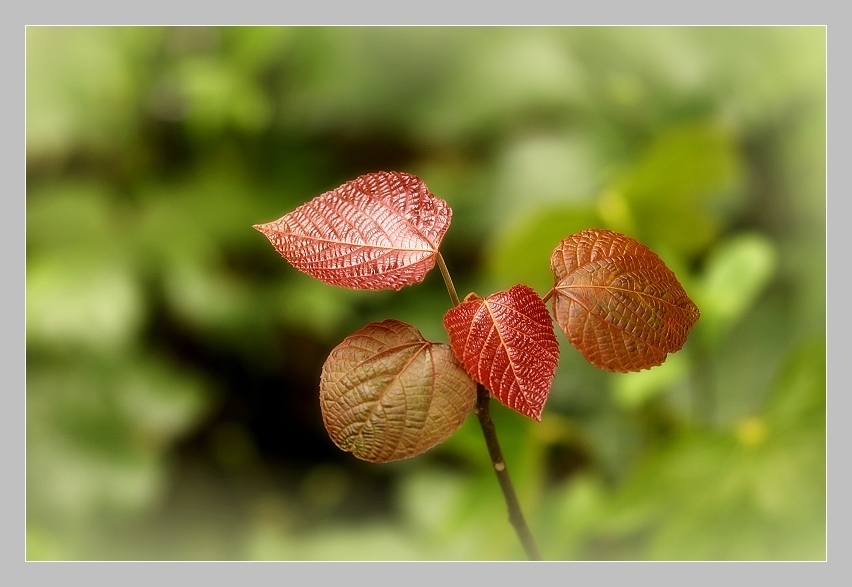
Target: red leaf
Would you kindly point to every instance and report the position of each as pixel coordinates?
(387, 393)
(379, 231)
(617, 302)
(506, 342)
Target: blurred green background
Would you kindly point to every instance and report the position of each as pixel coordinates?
(173, 357)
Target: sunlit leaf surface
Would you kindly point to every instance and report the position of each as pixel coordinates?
(617, 302)
(386, 393)
(379, 231)
(506, 342)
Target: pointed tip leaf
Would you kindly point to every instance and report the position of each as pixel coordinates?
(378, 231)
(506, 342)
(617, 302)
(386, 393)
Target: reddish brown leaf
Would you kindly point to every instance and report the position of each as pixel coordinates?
(506, 342)
(386, 393)
(617, 302)
(379, 231)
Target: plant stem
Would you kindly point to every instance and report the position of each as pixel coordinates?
(516, 516)
(448, 280)
(483, 397)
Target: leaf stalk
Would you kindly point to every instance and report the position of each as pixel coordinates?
(448, 280)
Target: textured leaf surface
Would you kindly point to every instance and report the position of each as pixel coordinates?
(386, 393)
(379, 231)
(506, 342)
(617, 302)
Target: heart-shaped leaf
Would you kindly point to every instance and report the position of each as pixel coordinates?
(617, 302)
(506, 342)
(386, 393)
(379, 231)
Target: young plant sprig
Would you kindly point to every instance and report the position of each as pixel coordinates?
(387, 393)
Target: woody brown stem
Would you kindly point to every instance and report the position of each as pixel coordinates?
(516, 516)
